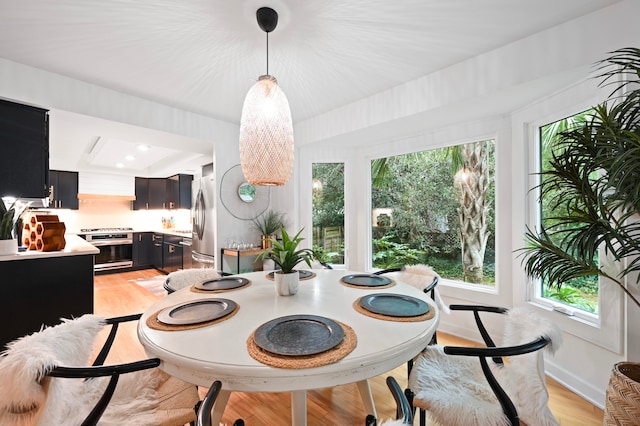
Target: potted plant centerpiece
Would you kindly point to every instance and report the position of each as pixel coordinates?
(8, 219)
(267, 224)
(286, 255)
(594, 185)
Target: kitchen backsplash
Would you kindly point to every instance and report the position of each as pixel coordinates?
(118, 214)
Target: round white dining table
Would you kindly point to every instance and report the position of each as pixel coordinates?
(219, 351)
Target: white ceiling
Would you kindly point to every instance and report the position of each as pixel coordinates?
(203, 55)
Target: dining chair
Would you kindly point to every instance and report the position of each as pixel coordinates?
(404, 411)
(47, 380)
(425, 279)
(187, 277)
(456, 389)
(204, 410)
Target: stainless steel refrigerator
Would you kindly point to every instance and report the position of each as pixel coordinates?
(203, 240)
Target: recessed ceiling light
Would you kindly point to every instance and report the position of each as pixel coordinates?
(129, 158)
(143, 148)
(119, 165)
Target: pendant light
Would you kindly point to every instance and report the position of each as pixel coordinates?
(266, 129)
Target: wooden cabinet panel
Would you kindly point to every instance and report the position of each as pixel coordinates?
(64, 187)
(41, 291)
(24, 140)
(142, 194)
(157, 193)
(142, 249)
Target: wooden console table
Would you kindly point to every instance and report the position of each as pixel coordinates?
(237, 253)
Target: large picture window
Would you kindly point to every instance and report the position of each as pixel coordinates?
(437, 207)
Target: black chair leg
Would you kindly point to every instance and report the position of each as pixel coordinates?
(370, 420)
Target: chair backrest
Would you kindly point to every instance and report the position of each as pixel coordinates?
(523, 377)
(404, 411)
(187, 277)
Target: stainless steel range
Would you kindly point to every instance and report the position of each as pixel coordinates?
(115, 245)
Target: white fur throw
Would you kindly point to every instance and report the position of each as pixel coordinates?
(420, 276)
(28, 397)
(455, 392)
(188, 277)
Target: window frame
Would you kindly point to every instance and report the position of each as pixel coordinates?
(607, 328)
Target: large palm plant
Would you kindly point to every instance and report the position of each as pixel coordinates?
(594, 185)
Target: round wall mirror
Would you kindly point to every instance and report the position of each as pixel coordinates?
(247, 192)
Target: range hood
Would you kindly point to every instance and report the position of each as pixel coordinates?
(97, 186)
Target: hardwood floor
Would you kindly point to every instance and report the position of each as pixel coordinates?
(116, 295)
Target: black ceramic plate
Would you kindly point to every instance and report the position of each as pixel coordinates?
(302, 273)
(299, 335)
(196, 312)
(367, 280)
(223, 283)
(395, 305)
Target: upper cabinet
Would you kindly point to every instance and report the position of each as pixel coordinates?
(24, 163)
(161, 193)
(64, 189)
(179, 191)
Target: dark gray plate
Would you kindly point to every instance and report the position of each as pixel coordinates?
(299, 335)
(301, 273)
(366, 280)
(222, 283)
(395, 305)
(197, 311)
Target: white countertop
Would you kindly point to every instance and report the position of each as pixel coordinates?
(74, 246)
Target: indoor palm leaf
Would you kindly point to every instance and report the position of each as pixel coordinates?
(286, 254)
(593, 182)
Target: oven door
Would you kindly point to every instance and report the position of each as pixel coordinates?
(113, 256)
(114, 253)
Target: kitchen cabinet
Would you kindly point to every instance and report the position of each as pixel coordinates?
(151, 194)
(163, 193)
(156, 250)
(172, 253)
(40, 291)
(63, 189)
(24, 138)
(142, 249)
(179, 192)
(142, 194)
(157, 193)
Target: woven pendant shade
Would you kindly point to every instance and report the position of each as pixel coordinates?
(266, 134)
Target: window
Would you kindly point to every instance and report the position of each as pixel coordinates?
(437, 207)
(578, 293)
(328, 212)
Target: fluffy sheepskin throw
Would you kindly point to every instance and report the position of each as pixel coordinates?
(455, 392)
(420, 276)
(28, 397)
(189, 277)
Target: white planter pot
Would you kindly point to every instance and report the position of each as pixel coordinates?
(287, 284)
(8, 247)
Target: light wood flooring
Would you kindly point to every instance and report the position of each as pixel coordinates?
(116, 295)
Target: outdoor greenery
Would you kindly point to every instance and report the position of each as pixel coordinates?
(328, 211)
(426, 222)
(285, 254)
(594, 184)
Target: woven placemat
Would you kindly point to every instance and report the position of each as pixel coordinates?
(330, 356)
(198, 290)
(423, 317)
(313, 274)
(368, 287)
(152, 322)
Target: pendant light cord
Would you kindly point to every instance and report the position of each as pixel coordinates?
(267, 53)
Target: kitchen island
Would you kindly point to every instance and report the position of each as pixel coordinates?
(38, 288)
